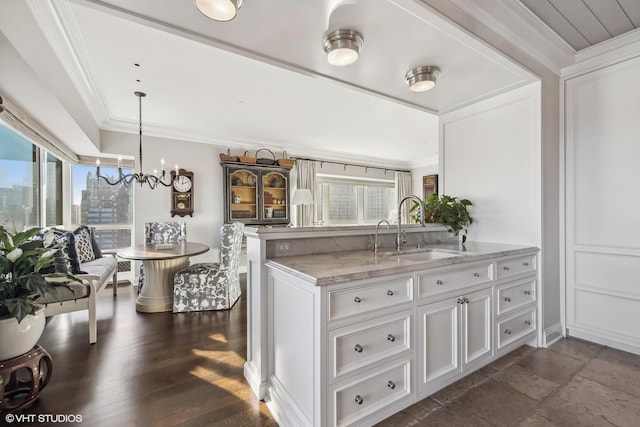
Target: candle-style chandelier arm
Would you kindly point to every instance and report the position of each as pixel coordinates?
(125, 179)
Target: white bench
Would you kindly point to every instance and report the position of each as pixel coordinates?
(84, 294)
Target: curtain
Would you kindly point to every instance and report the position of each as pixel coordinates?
(403, 189)
(12, 115)
(306, 179)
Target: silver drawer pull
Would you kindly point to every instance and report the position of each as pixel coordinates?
(390, 292)
(439, 282)
(505, 268)
(391, 338)
(391, 385)
(357, 299)
(527, 322)
(507, 299)
(507, 331)
(359, 399)
(527, 292)
(358, 348)
(526, 264)
(476, 274)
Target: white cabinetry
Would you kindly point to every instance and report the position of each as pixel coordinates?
(357, 352)
(454, 335)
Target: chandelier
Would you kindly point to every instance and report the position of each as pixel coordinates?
(141, 177)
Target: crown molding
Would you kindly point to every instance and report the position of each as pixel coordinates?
(59, 27)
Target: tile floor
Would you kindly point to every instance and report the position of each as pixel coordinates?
(572, 383)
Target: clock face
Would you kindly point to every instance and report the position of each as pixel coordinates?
(182, 184)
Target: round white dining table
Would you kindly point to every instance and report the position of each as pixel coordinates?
(160, 263)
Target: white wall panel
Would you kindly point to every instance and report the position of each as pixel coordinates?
(491, 155)
(602, 231)
(610, 272)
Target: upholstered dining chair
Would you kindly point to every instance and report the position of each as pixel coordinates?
(212, 286)
(162, 232)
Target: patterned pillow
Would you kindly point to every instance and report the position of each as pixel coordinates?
(83, 244)
(61, 264)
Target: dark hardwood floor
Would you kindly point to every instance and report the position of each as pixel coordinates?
(159, 369)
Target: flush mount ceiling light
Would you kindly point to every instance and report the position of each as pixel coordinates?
(343, 47)
(422, 79)
(219, 10)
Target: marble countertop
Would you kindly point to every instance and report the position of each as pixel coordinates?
(340, 267)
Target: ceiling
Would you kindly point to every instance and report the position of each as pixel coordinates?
(263, 78)
(585, 23)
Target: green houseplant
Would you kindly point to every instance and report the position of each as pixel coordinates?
(24, 258)
(448, 211)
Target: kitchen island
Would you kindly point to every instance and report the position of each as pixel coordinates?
(349, 337)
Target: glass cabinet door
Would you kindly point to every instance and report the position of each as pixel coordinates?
(243, 197)
(275, 195)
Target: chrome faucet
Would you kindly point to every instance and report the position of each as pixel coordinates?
(376, 243)
(400, 240)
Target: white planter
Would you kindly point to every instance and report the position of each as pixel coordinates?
(18, 338)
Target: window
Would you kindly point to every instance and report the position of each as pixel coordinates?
(107, 208)
(350, 201)
(53, 190)
(22, 176)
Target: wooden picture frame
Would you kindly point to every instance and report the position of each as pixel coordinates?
(429, 185)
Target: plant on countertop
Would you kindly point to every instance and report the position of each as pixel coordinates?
(446, 210)
(24, 256)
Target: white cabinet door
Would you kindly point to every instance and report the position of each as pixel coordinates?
(476, 328)
(453, 335)
(439, 351)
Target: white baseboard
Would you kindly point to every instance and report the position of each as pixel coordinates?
(618, 342)
(257, 386)
(552, 334)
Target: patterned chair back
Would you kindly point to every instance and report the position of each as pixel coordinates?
(165, 232)
(231, 245)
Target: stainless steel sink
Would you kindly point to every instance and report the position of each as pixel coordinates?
(425, 254)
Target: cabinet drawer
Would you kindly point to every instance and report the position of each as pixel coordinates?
(363, 396)
(356, 346)
(449, 280)
(511, 267)
(348, 302)
(516, 327)
(515, 295)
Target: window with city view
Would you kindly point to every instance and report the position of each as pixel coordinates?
(22, 175)
(352, 202)
(107, 208)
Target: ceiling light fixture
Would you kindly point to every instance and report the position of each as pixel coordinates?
(343, 47)
(141, 178)
(422, 79)
(219, 10)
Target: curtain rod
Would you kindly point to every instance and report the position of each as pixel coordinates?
(351, 164)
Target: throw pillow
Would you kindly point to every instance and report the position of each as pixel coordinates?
(61, 264)
(69, 250)
(83, 244)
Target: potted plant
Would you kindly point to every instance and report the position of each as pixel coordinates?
(24, 258)
(448, 211)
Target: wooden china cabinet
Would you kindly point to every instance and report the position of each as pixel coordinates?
(256, 194)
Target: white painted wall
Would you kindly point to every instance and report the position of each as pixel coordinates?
(155, 205)
(491, 155)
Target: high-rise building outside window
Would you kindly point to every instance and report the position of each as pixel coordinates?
(107, 208)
